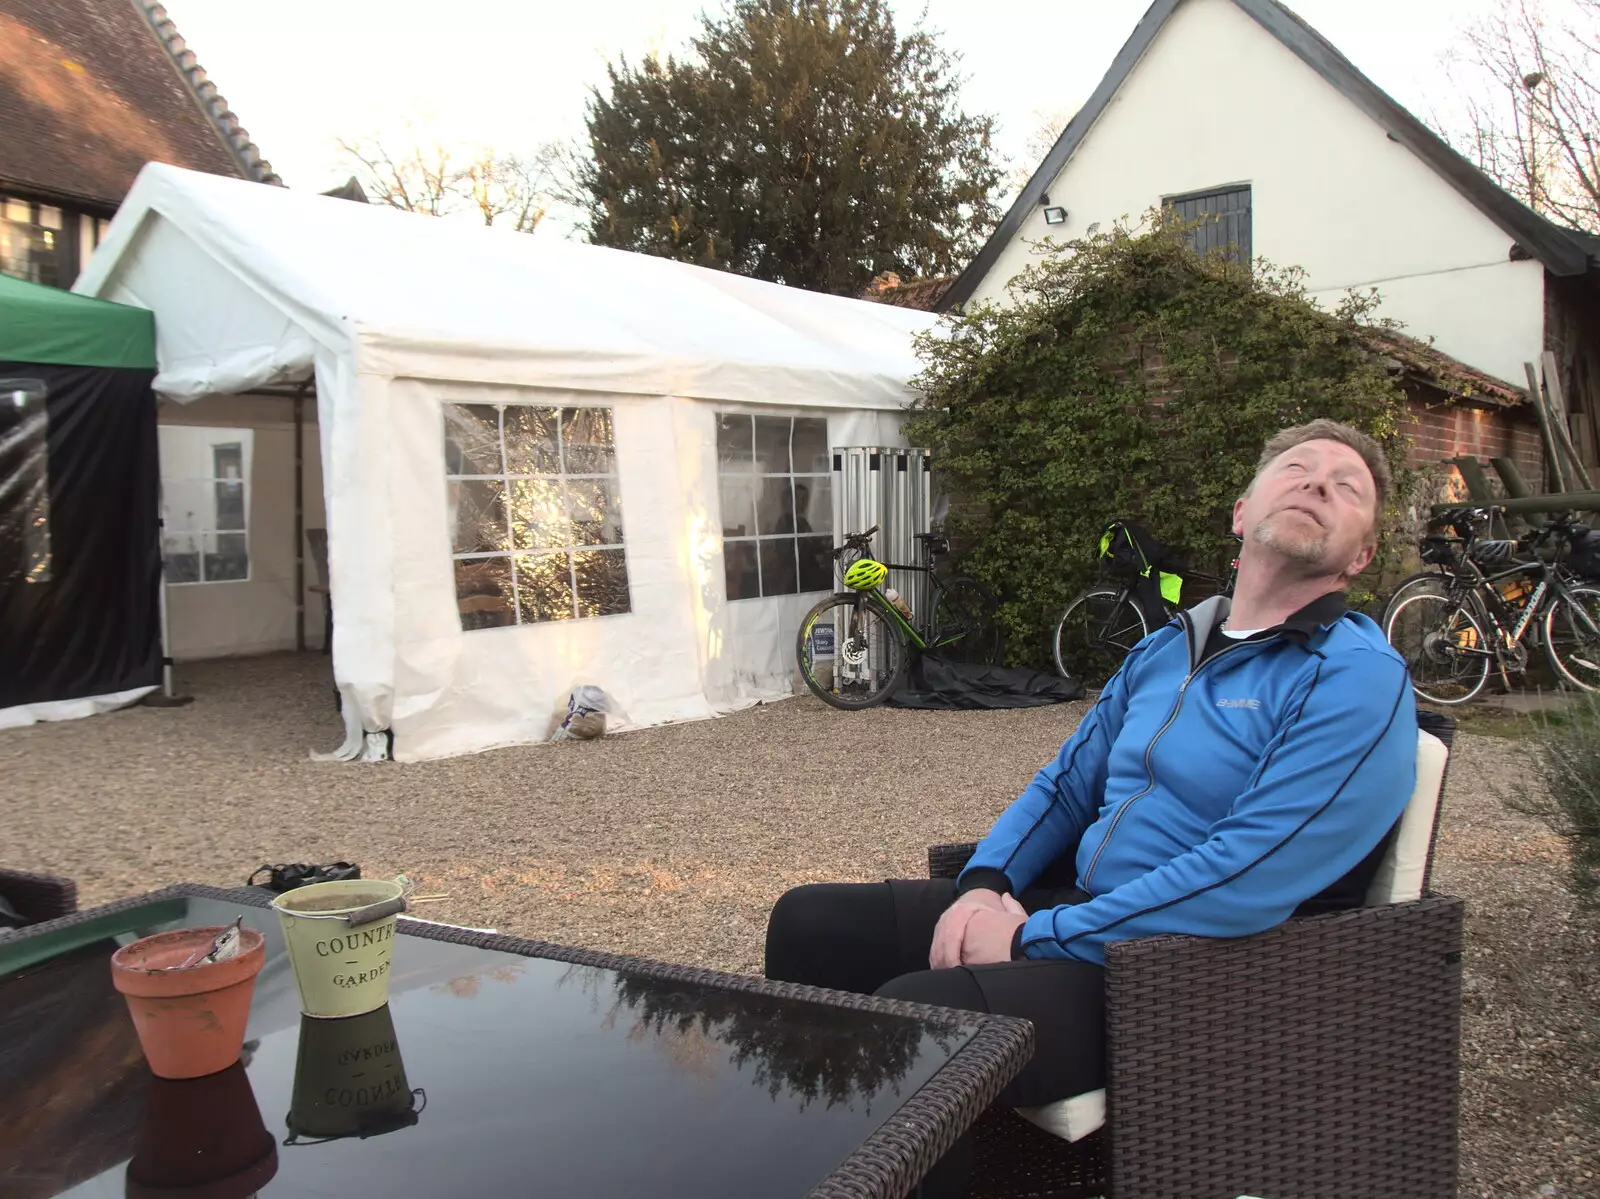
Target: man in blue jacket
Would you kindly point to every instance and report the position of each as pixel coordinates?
(1248, 761)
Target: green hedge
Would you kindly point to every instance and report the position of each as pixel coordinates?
(1134, 378)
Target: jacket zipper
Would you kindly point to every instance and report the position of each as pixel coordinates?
(1149, 768)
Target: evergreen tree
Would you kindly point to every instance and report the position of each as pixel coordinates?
(803, 141)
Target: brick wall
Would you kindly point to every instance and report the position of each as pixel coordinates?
(1447, 431)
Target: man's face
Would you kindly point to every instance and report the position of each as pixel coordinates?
(1313, 506)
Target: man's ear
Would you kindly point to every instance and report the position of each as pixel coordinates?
(1238, 517)
(1362, 560)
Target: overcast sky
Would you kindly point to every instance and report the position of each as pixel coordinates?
(513, 74)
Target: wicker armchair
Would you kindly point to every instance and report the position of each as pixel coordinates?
(1317, 1060)
(38, 897)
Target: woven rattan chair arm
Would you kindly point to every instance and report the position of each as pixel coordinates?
(1317, 1058)
(947, 861)
(39, 897)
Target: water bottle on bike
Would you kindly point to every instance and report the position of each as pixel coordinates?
(898, 602)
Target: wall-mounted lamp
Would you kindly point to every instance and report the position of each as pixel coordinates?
(1055, 216)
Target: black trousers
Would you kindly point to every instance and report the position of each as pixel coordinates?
(874, 938)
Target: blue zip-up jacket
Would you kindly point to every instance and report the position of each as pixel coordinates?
(1215, 799)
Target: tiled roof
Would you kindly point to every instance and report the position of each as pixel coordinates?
(921, 294)
(91, 90)
(1421, 362)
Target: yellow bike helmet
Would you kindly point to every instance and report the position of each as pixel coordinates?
(865, 574)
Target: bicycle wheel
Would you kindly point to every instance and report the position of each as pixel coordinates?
(1572, 637)
(1423, 582)
(851, 654)
(1444, 646)
(1095, 634)
(965, 627)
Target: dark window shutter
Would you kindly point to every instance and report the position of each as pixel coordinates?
(1224, 221)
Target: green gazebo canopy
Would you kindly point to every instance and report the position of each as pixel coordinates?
(42, 324)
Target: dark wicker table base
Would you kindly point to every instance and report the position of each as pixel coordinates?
(1015, 1160)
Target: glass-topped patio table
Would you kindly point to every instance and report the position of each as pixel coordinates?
(499, 1067)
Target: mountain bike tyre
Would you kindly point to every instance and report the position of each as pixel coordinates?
(855, 614)
(1112, 611)
(1429, 582)
(965, 603)
(1569, 643)
(1425, 629)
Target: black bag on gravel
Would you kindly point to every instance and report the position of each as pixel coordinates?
(283, 878)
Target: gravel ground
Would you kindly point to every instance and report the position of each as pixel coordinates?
(674, 842)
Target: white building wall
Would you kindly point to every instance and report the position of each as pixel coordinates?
(1218, 101)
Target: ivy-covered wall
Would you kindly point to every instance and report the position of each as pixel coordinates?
(1132, 378)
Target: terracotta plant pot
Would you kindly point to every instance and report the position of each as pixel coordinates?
(190, 1022)
(203, 1138)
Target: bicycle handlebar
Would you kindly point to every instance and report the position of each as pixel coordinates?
(856, 541)
(1467, 521)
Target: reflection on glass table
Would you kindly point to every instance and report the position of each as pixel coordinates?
(489, 1072)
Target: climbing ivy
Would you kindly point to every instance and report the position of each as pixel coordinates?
(1132, 378)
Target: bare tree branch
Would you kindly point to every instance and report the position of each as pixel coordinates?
(1530, 88)
(418, 178)
(507, 187)
(1047, 129)
(425, 175)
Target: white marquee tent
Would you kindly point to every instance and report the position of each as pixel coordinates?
(529, 450)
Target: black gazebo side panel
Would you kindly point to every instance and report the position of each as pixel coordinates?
(80, 574)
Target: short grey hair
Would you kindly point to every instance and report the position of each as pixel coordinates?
(1329, 430)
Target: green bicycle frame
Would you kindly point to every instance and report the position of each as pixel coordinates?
(893, 613)
(906, 626)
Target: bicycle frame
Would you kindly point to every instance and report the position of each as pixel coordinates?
(1551, 588)
(906, 628)
(1469, 581)
(1126, 594)
(909, 630)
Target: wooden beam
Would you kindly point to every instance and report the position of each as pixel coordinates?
(1558, 418)
(1552, 386)
(1472, 475)
(1551, 449)
(1565, 501)
(1583, 437)
(1516, 486)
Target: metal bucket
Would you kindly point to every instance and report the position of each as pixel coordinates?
(349, 1080)
(340, 936)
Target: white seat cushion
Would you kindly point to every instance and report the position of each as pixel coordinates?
(1070, 1119)
(1399, 877)
(1399, 880)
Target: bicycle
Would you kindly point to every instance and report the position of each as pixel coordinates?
(1102, 624)
(854, 645)
(1510, 560)
(1459, 621)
